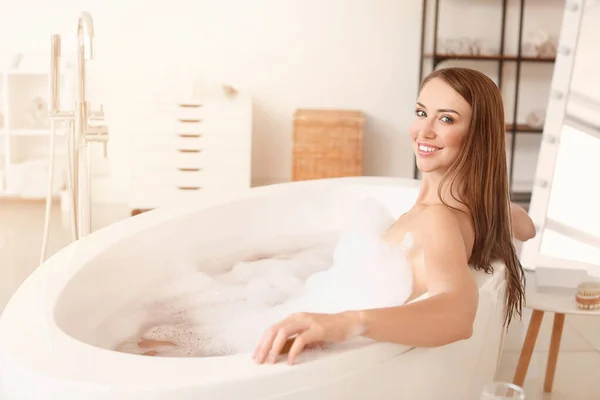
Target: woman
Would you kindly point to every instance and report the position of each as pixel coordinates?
(522, 225)
(461, 217)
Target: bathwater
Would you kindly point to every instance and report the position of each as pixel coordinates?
(227, 312)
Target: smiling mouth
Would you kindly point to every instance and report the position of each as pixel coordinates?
(427, 149)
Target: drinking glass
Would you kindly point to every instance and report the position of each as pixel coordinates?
(502, 391)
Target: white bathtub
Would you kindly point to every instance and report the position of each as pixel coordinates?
(49, 329)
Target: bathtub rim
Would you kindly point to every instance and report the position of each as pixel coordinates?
(16, 330)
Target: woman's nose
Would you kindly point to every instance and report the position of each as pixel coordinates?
(429, 134)
(427, 130)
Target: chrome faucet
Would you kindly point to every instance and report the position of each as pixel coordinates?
(80, 129)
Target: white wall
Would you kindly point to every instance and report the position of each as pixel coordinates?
(361, 54)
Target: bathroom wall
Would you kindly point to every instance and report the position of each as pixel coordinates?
(361, 54)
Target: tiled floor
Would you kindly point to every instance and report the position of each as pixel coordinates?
(577, 374)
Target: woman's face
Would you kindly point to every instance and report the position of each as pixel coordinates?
(440, 126)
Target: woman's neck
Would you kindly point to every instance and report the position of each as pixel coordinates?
(428, 193)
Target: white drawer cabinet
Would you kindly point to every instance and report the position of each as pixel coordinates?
(196, 147)
(190, 143)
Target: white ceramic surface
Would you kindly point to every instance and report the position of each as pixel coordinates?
(48, 325)
(553, 302)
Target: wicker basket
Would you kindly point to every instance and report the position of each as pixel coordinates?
(327, 144)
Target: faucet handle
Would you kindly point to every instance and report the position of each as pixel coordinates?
(98, 134)
(61, 116)
(97, 115)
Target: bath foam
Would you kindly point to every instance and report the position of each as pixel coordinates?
(227, 313)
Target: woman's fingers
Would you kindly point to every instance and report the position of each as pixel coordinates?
(303, 340)
(280, 340)
(274, 339)
(265, 343)
(315, 345)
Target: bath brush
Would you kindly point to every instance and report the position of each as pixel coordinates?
(588, 295)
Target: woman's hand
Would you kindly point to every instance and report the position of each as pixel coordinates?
(311, 330)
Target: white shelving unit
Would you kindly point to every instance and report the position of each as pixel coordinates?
(25, 131)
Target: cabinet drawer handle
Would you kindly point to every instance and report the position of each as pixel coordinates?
(190, 105)
(189, 169)
(189, 135)
(189, 187)
(190, 120)
(189, 150)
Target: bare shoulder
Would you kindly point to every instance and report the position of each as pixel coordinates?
(440, 214)
(444, 236)
(442, 223)
(445, 220)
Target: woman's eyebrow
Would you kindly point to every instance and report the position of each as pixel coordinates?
(441, 109)
(448, 110)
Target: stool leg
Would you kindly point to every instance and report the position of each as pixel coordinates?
(557, 329)
(528, 346)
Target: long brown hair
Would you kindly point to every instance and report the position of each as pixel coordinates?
(478, 179)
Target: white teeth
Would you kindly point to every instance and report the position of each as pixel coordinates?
(427, 148)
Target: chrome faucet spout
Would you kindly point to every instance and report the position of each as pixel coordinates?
(85, 51)
(85, 35)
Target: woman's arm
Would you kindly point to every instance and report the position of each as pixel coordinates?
(522, 225)
(448, 314)
(445, 317)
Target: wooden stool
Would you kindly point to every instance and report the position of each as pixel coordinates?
(529, 345)
(558, 304)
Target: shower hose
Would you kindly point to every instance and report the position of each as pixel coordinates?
(73, 220)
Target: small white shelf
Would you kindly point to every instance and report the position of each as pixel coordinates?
(24, 131)
(30, 132)
(25, 72)
(9, 195)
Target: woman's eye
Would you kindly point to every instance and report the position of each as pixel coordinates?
(420, 113)
(447, 119)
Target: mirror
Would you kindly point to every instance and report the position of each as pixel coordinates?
(565, 204)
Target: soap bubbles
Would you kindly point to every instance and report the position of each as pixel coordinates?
(196, 314)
